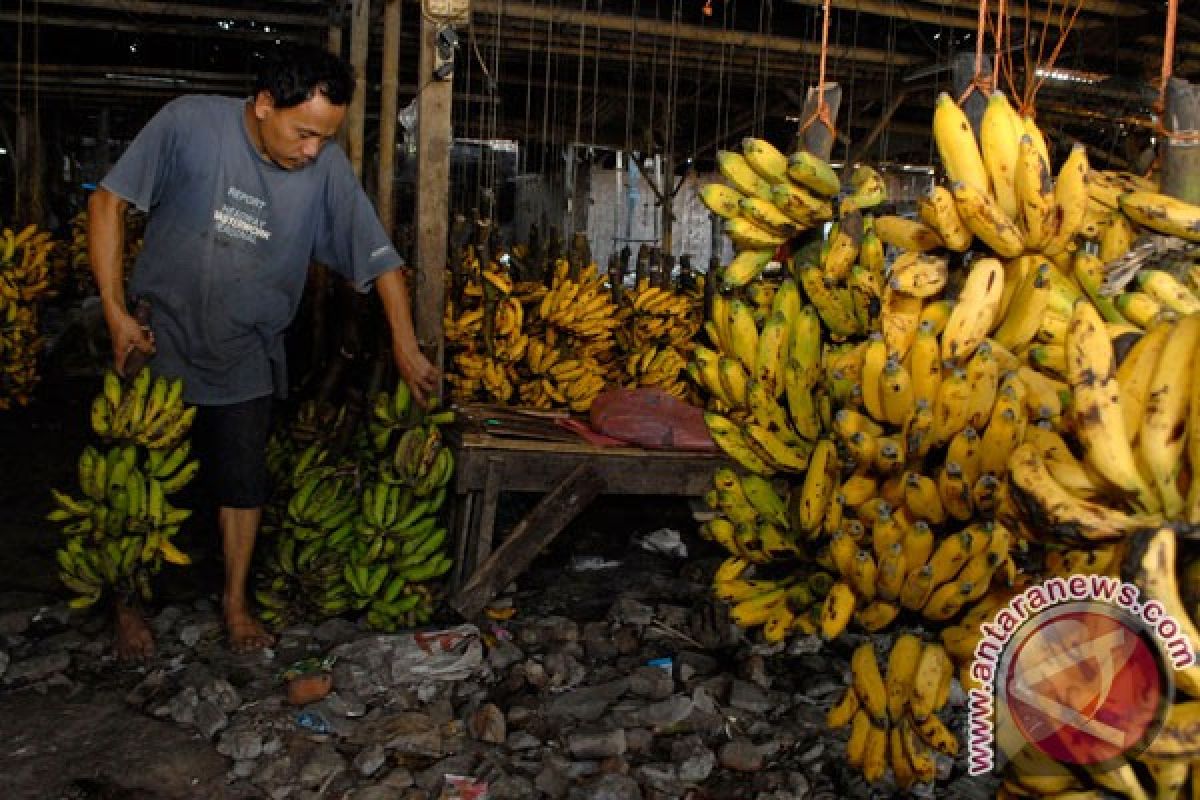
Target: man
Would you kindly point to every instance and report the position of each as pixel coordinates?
(241, 195)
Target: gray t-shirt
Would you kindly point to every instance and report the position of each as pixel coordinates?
(228, 242)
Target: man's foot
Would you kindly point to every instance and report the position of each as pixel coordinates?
(134, 640)
(246, 634)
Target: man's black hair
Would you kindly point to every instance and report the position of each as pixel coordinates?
(292, 73)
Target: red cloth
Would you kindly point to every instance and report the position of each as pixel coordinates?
(651, 418)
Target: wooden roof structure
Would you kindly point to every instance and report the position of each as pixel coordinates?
(614, 73)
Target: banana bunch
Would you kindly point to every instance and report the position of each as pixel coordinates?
(119, 532)
(893, 713)
(656, 337)
(26, 280)
(780, 606)
(150, 411)
(78, 260)
(562, 374)
(770, 199)
(767, 406)
(360, 530)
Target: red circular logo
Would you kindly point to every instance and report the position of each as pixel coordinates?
(1085, 683)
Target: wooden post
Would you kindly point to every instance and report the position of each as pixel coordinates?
(336, 47)
(29, 161)
(1181, 160)
(818, 139)
(356, 114)
(433, 185)
(384, 203)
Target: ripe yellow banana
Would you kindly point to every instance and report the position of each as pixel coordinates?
(974, 314)
(1000, 133)
(1162, 213)
(1162, 436)
(986, 220)
(939, 212)
(956, 145)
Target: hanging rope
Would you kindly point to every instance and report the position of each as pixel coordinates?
(1160, 106)
(821, 113)
(1033, 83)
(979, 82)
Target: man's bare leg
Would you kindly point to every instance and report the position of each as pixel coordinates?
(239, 527)
(134, 642)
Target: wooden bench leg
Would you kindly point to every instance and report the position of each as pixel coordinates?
(489, 502)
(461, 526)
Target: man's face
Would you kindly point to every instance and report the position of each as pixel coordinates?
(292, 137)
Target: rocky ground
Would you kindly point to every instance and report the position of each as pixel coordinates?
(616, 678)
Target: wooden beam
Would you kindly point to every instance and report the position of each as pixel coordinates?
(696, 33)
(1039, 13)
(195, 11)
(108, 24)
(434, 134)
(547, 519)
(360, 16)
(388, 100)
(911, 13)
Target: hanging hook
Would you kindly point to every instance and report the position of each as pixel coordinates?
(821, 114)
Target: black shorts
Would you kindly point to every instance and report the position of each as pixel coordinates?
(231, 443)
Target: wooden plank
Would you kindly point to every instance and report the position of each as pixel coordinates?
(486, 442)
(433, 186)
(194, 10)
(940, 16)
(547, 519)
(632, 475)
(462, 523)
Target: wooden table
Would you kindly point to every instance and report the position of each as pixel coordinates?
(488, 465)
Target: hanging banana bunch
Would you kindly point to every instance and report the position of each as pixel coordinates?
(656, 337)
(26, 280)
(118, 534)
(957, 434)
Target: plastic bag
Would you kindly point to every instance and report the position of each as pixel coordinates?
(651, 418)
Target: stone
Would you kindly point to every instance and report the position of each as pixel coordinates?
(486, 724)
(191, 634)
(510, 787)
(805, 645)
(55, 616)
(147, 689)
(209, 719)
(741, 755)
(324, 763)
(695, 760)
(586, 704)
(15, 623)
(801, 787)
(753, 668)
(241, 745)
(596, 745)
(520, 740)
(609, 786)
(638, 740)
(335, 631)
(652, 683)
(691, 664)
(628, 611)
(665, 713)
(370, 759)
(182, 707)
(552, 781)
(398, 778)
(661, 777)
(222, 694)
(627, 640)
(38, 668)
(563, 670)
(503, 654)
(345, 704)
(196, 675)
(244, 769)
(749, 697)
(165, 620)
(561, 629)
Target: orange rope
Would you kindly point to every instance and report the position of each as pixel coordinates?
(1167, 65)
(822, 110)
(979, 83)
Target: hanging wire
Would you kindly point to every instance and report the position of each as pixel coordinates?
(629, 101)
(546, 97)
(596, 75)
(528, 102)
(579, 81)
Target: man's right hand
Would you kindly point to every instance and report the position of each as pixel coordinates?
(127, 336)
